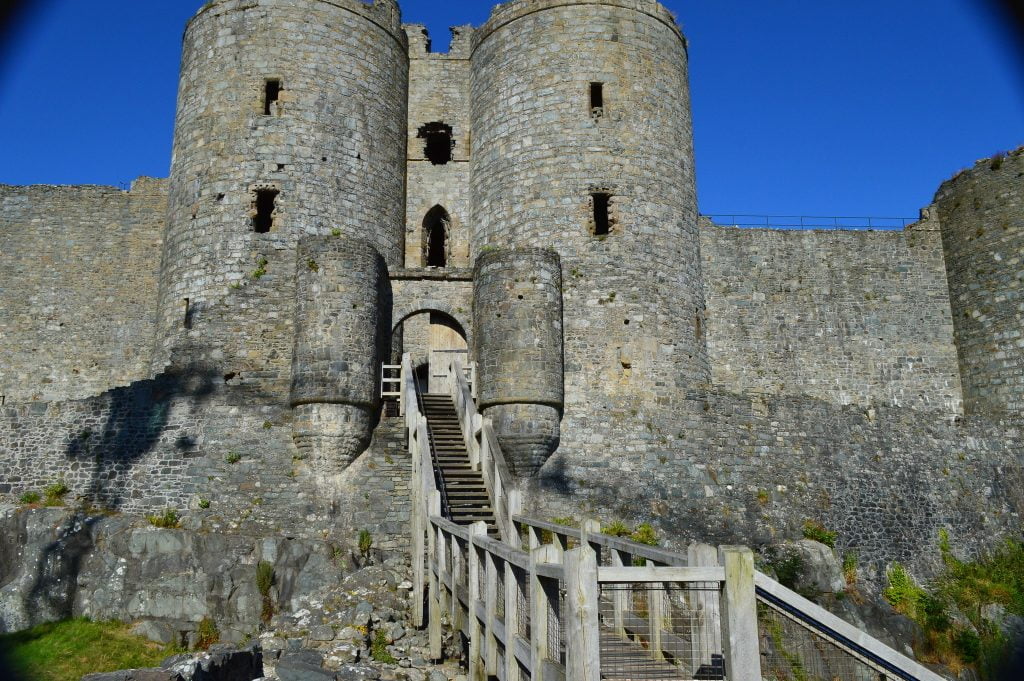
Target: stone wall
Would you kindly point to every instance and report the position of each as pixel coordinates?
(734, 468)
(186, 440)
(850, 317)
(981, 211)
(438, 93)
(78, 287)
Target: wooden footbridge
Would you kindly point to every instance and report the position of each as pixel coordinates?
(536, 600)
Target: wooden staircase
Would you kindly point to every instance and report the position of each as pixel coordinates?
(464, 497)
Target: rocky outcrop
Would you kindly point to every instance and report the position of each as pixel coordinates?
(118, 567)
(219, 663)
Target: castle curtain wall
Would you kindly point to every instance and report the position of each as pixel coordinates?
(78, 287)
(849, 317)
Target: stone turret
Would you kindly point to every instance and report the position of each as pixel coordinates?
(342, 326)
(980, 211)
(517, 314)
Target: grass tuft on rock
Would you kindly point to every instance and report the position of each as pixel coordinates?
(68, 650)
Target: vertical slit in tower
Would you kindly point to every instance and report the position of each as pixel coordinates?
(597, 99)
(602, 223)
(271, 94)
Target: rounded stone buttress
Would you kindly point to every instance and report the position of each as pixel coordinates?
(342, 326)
(981, 214)
(517, 315)
(582, 143)
(291, 121)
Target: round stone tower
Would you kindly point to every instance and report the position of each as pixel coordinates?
(582, 144)
(291, 121)
(981, 213)
(517, 315)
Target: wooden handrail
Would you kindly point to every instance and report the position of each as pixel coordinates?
(632, 548)
(485, 453)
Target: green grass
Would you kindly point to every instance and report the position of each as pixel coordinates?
(67, 651)
(816, 531)
(379, 649)
(169, 519)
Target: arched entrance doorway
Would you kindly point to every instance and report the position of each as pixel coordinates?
(432, 338)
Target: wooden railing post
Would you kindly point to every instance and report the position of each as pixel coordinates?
(739, 615)
(580, 629)
(512, 590)
(591, 528)
(490, 614)
(475, 633)
(458, 565)
(706, 604)
(443, 554)
(620, 596)
(418, 528)
(434, 573)
(543, 599)
(656, 615)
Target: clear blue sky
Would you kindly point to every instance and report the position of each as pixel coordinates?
(800, 106)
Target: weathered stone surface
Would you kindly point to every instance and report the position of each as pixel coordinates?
(154, 631)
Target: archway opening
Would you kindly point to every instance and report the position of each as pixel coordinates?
(432, 339)
(436, 226)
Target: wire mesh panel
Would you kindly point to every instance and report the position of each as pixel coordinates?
(792, 652)
(499, 607)
(556, 615)
(524, 603)
(660, 631)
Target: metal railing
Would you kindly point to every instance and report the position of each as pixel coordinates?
(794, 222)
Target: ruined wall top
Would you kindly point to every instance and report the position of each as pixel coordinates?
(508, 12)
(420, 42)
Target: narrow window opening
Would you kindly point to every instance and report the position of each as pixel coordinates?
(438, 149)
(187, 321)
(435, 232)
(597, 99)
(266, 204)
(602, 223)
(271, 95)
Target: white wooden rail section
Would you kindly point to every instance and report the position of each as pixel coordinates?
(423, 489)
(391, 385)
(485, 453)
(743, 587)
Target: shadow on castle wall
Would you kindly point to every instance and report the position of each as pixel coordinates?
(133, 423)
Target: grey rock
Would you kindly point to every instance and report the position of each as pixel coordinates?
(351, 634)
(395, 632)
(821, 569)
(351, 672)
(154, 631)
(322, 632)
(436, 675)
